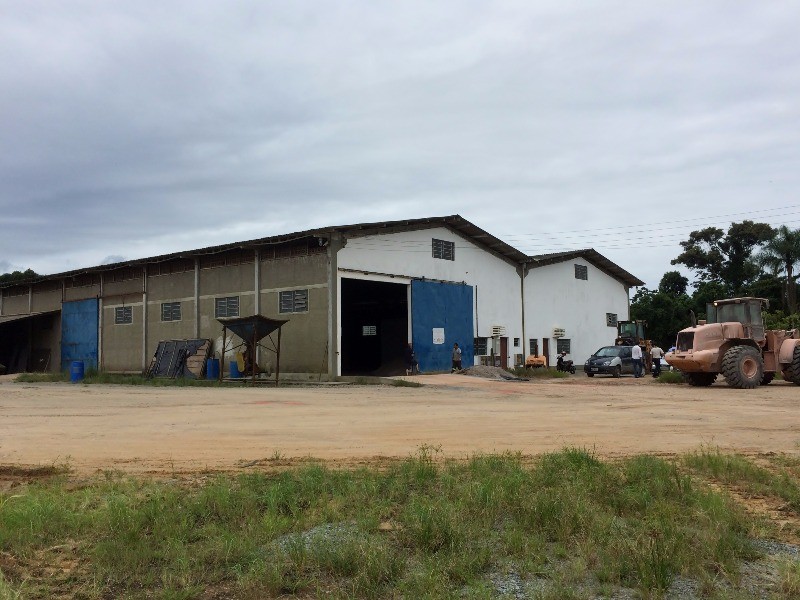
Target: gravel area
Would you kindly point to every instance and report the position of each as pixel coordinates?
(682, 588)
(490, 373)
(325, 533)
(758, 579)
(773, 548)
(509, 585)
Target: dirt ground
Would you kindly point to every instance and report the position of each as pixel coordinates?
(163, 430)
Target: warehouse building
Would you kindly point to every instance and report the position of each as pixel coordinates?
(354, 296)
(573, 301)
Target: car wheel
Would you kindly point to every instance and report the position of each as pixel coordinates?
(616, 372)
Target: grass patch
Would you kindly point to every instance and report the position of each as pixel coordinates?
(406, 383)
(739, 471)
(422, 528)
(42, 377)
(670, 377)
(366, 380)
(540, 373)
(789, 578)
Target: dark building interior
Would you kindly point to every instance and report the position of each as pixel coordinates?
(374, 327)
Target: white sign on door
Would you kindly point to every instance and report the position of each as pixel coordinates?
(438, 335)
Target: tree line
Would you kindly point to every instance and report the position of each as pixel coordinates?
(750, 259)
(18, 276)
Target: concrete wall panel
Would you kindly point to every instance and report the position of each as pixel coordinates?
(81, 293)
(46, 301)
(169, 330)
(15, 305)
(304, 337)
(171, 288)
(220, 281)
(122, 288)
(210, 328)
(297, 270)
(122, 344)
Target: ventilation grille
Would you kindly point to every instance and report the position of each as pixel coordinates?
(498, 331)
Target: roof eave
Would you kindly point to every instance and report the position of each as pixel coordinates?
(594, 257)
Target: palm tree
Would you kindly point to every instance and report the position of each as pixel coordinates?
(781, 254)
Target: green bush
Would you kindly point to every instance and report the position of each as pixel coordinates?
(540, 373)
(670, 377)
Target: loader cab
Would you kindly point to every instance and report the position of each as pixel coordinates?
(630, 332)
(747, 311)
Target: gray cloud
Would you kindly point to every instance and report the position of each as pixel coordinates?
(140, 129)
(113, 258)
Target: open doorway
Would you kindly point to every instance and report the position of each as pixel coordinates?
(30, 343)
(15, 346)
(374, 327)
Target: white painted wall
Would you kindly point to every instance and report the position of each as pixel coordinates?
(555, 298)
(408, 254)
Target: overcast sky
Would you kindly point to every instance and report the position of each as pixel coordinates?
(129, 129)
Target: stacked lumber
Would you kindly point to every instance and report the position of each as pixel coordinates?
(196, 363)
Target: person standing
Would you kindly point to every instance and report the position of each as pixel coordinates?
(657, 354)
(408, 359)
(636, 355)
(456, 358)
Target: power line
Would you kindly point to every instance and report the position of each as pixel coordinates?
(618, 242)
(695, 220)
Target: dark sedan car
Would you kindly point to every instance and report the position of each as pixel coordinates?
(610, 360)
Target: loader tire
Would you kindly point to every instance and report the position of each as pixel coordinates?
(699, 379)
(792, 371)
(767, 378)
(743, 367)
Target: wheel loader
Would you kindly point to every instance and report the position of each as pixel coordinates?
(631, 333)
(534, 361)
(732, 342)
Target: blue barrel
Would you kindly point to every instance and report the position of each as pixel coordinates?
(76, 371)
(235, 372)
(212, 368)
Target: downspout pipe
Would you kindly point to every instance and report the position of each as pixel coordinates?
(628, 295)
(523, 272)
(196, 297)
(335, 243)
(257, 304)
(100, 325)
(144, 319)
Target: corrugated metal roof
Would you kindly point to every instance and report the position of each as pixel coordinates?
(592, 256)
(457, 223)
